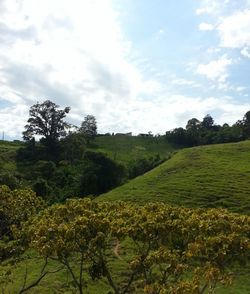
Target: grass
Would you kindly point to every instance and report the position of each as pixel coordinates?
(205, 176)
(8, 155)
(124, 148)
(61, 282)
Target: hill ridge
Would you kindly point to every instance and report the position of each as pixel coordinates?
(202, 176)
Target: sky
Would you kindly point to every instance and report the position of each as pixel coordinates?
(136, 65)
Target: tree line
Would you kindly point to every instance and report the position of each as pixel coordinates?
(207, 132)
(57, 162)
(47, 121)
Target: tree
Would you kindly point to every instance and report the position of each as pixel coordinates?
(89, 126)
(193, 124)
(73, 147)
(246, 118)
(177, 136)
(171, 249)
(246, 124)
(47, 121)
(100, 174)
(193, 129)
(207, 122)
(16, 207)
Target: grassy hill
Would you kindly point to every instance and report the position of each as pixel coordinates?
(135, 154)
(119, 148)
(8, 154)
(124, 148)
(205, 176)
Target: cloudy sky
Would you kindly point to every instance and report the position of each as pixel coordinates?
(137, 65)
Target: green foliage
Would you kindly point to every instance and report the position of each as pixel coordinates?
(125, 149)
(47, 121)
(70, 174)
(246, 124)
(207, 122)
(17, 206)
(193, 124)
(42, 189)
(172, 250)
(99, 174)
(31, 152)
(142, 165)
(73, 147)
(89, 127)
(206, 132)
(11, 180)
(43, 168)
(207, 176)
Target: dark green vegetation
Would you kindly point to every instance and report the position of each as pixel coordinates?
(8, 169)
(70, 161)
(206, 132)
(207, 176)
(80, 169)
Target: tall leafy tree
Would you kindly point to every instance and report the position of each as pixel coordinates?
(89, 126)
(207, 122)
(46, 120)
(246, 124)
(73, 147)
(193, 124)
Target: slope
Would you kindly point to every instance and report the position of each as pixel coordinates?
(8, 154)
(205, 176)
(125, 148)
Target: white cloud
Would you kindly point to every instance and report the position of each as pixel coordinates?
(232, 24)
(234, 30)
(240, 89)
(75, 53)
(72, 52)
(213, 50)
(174, 110)
(245, 52)
(213, 7)
(12, 120)
(216, 70)
(184, 82)
(206, 26)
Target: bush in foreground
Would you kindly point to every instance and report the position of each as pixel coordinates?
(171, 250)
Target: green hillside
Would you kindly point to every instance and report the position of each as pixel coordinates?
(108, 162)
(125, 148)
(205, 176)
(119, 148)
(8, 154)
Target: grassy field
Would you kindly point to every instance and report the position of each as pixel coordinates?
(31, 264)
(205, 176)
(8, 154)
(124, 148)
